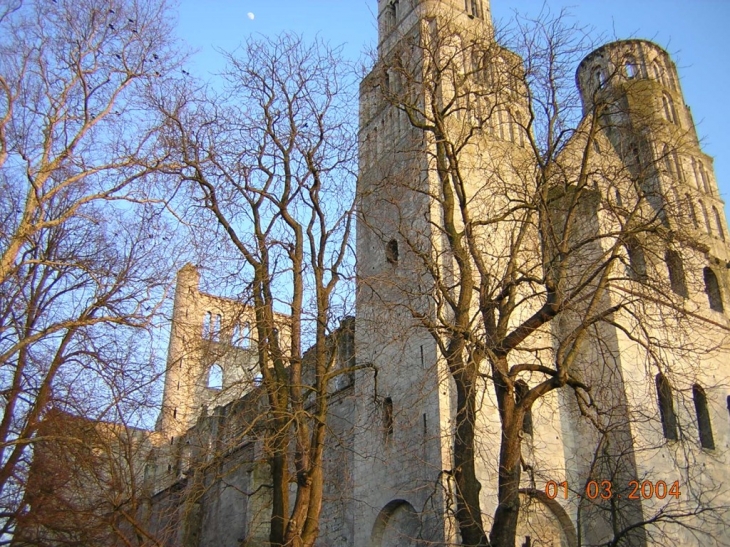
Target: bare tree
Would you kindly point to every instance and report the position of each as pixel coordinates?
(80, 272)
(271, 161)
(536, 225)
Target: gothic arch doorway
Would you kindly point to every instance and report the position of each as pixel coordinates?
(397, 525)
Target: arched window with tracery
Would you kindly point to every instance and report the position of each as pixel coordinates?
(712, 288)
(666, 407)
(704, 425)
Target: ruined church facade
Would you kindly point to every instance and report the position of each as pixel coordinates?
(391, 455)
(389, 461)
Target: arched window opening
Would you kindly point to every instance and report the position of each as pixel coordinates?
(207, 325)
(215, 377)
(676, 273)
(703, 417)
(390, 16)
(718, 222)
(388, 418)
(391, 251)
(705, 179)
(706, 218)
(658, 73)
(637, 259)
(599, 77)
(666, 407)
(677, 167)
(712, 288)
(668, 106)
(521, 390)
(474, 8)
(727, 401)
(631, 68)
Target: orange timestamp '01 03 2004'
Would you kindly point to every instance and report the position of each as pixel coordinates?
(604, 489)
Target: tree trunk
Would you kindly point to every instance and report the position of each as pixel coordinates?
(468, 512)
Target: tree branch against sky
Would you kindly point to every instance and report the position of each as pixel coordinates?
(81, 273)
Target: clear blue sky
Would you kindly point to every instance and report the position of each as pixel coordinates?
(695, 32)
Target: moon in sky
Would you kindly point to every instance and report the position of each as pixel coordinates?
(251, 15)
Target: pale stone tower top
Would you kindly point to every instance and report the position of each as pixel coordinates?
(398, 17)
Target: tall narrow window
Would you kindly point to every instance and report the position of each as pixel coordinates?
(388, 418)
(703, 417)
(677, 166)
(215, 377)
(676, 272)
(631, 68)
(391, 251)
(718, 222)
(637, 260)
(599, 77)
(712, 288)
(668, 106)
(666, 407)
(658, 73)
(390, 16)
(474, 8)
(521, 390)
(705, 178)
(727, 402)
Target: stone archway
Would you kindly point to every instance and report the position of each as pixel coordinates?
(544, 521)
(397, 525)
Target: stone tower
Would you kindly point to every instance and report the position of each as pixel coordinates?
(211, 356)
(405, 415)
